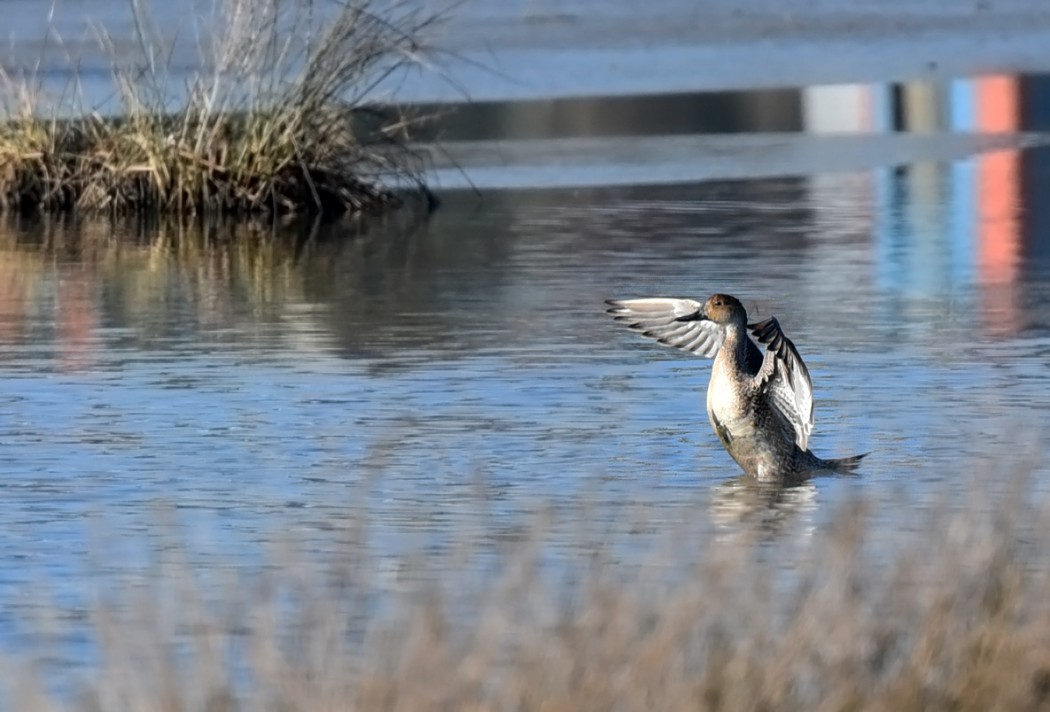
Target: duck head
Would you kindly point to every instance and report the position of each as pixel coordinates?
(725, 309)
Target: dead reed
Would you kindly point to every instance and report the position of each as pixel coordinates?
(949, 615)
(281, 119)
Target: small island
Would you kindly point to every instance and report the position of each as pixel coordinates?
(282, 121)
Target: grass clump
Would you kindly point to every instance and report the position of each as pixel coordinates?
(281, 118)
(949, 616)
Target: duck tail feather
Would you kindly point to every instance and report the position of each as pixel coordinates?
(841, 465)
(846, 465)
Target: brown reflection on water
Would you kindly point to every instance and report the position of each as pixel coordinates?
(17, 283)
(157, 284)
(396, 286)
(84, 276)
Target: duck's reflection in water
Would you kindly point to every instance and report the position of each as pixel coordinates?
(743, 507)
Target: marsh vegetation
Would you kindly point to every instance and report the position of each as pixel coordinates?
(722, 614)
(284, 117)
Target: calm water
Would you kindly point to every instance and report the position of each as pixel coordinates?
(414, 374)
(417, 374)
(498, 50)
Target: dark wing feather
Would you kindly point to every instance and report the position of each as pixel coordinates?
(788, 384)
(671, 321)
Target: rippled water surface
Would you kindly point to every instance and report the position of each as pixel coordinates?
(444, 378)
(417, 370)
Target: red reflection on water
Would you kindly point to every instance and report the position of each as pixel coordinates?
(77, 321)
(999, 185)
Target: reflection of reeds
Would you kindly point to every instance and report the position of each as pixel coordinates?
(163, 279)
(952, 615)
(277, 123)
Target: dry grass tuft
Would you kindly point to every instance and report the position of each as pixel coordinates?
(950, 616)
(280, 121)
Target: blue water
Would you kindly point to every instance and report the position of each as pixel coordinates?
(167, 395)
(258, 393)
(538, 49)
(445, 382)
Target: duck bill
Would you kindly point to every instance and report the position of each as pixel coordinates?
(698, 315)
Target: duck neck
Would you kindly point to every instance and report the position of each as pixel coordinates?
(734, 349)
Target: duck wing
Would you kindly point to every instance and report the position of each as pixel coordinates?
(785, 379)
(677, 322)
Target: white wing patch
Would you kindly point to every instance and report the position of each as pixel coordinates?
(786, 379)
(658, 318)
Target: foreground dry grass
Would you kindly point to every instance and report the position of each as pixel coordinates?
(280, 121)
(950, 615)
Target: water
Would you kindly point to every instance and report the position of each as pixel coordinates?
(536, 50)
(249, 386)
(258, 389)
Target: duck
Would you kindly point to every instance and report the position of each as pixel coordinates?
(760, 403)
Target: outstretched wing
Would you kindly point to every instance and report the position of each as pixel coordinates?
(785, 379)
(674, 322)
(679, 323)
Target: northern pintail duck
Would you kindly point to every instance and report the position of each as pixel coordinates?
(761, 406)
